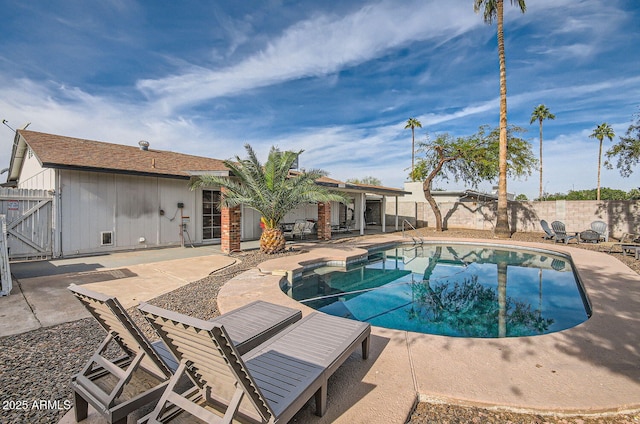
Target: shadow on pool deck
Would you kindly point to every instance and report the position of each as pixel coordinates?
(589, 368)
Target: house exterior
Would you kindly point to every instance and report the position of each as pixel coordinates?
(114, 197)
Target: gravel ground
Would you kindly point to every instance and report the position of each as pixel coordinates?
(60, 351)
(38, 365)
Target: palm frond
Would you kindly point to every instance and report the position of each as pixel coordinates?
(270, 188)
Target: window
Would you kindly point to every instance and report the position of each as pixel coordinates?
(211, 217)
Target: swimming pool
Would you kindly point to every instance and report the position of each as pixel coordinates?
(461, 290)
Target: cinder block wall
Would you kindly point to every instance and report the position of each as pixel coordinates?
(621, 216)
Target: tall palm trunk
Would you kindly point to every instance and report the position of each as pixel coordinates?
(541, 193)
(599, 166)
(413, 152)
(603, 130)
(502, 223)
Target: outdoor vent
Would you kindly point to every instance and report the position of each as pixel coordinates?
(144, 145)
(106, 238)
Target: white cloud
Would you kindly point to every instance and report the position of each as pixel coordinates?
(318, 46)
(570, 51)
(432, 119)
(72, 112)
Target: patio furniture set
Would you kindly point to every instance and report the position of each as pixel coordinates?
(598, 233)
(259, 363)
(301, 228)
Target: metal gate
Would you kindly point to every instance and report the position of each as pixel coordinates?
(29, 215)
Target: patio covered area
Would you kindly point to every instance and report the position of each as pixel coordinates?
(364, 215)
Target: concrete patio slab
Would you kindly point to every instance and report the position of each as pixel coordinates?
(40, 297)
(155, 279)
(16, 315)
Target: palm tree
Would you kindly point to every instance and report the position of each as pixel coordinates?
(540, 113)
(603, 130)
(413, 123)
(271, 189)
(495, 9)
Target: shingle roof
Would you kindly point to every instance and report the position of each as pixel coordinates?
(363, 188)
(55, 151)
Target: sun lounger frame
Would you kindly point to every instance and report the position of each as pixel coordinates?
(625, 240)
(249, 325)
(277, 378)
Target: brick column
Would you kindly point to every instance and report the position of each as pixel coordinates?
(230, 222)
(324, 221)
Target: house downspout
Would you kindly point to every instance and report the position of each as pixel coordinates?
(57, 253)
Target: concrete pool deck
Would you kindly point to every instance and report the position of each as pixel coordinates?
(588, 369)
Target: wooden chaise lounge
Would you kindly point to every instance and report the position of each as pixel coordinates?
(117, 387)
(628, 242)
(269, 384)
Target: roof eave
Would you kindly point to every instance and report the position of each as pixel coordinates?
(351, 188)
(224, 173)
(115, 171)
(18, 153)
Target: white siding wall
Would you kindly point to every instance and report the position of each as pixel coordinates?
(335, 213)
(172, 192)
(250, 226)
(306, 211)
(34, 176)
(310, 211)
(127, 205)
(251, 218)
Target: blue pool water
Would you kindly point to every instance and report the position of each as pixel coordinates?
(454, 290)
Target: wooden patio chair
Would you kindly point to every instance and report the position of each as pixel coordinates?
(117, 387)
(561, 233)
(600, 227)
(308, 229)
(269, 384)
(549, 235)
(344, 228)
(298, 229)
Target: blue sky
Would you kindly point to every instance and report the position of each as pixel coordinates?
(337, 79)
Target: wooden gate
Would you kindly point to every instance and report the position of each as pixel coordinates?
(5, 271)
(29, 215)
